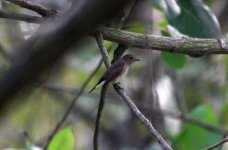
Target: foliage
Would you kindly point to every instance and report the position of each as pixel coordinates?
(64, 139)
(201, 84)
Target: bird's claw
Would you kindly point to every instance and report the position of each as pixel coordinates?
(118, 86)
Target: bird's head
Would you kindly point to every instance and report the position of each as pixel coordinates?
(129, 58)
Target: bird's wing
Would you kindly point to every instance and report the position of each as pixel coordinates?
(114, 71)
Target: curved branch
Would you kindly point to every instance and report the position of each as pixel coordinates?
(71, 106)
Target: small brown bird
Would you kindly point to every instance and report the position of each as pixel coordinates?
(117, 71)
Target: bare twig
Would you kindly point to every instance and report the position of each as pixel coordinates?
(98, 118)
(118, 52)
(142, 118)
(217, 144)
(104, 53)
(127, 17)
(102, 48)
(135, 110)
(20, 17)
(71, 106)
(40, 9)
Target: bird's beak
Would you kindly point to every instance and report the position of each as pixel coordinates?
(136, 59)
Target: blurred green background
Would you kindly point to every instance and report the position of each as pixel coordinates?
(166, 87)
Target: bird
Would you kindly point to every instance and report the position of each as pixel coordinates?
(117, 71)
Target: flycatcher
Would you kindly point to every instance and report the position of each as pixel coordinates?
(117, 71)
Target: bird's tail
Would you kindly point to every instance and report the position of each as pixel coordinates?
(93, 89)
(100, 83)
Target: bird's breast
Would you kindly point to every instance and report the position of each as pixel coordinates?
(121, 76)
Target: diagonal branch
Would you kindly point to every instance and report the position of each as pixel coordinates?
(98, 118)
(40, 9)
(71, 106)
(142, 118)
(20, 17)
(118, 52)
(134, 108)
(100, 43)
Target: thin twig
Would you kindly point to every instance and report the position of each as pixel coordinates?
(126, 18)
(135, 110)
(71, 106)
(20, 17)
(40, 9)
(217, 144)
(142, 118)
(102, 48)
(104, 53)
(98, 118)
(121, 48)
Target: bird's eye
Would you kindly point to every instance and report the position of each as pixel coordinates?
(131, 57)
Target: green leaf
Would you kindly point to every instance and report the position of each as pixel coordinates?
(175, 61)
(195, 20)
(64, 139)
(195, 137)
(163, 24)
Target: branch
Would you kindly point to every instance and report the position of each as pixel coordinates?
(217, 144)
(71, 106)
(20, 17)
(40, 9)
(142, 118)
(135, 110)
(184, 45)
(103, 50)
(98, 118)
(189, 46)
(104, 53)
(118, 52)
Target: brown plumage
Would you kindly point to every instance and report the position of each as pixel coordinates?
(117, 70)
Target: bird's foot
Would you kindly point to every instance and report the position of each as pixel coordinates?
(118, 86)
